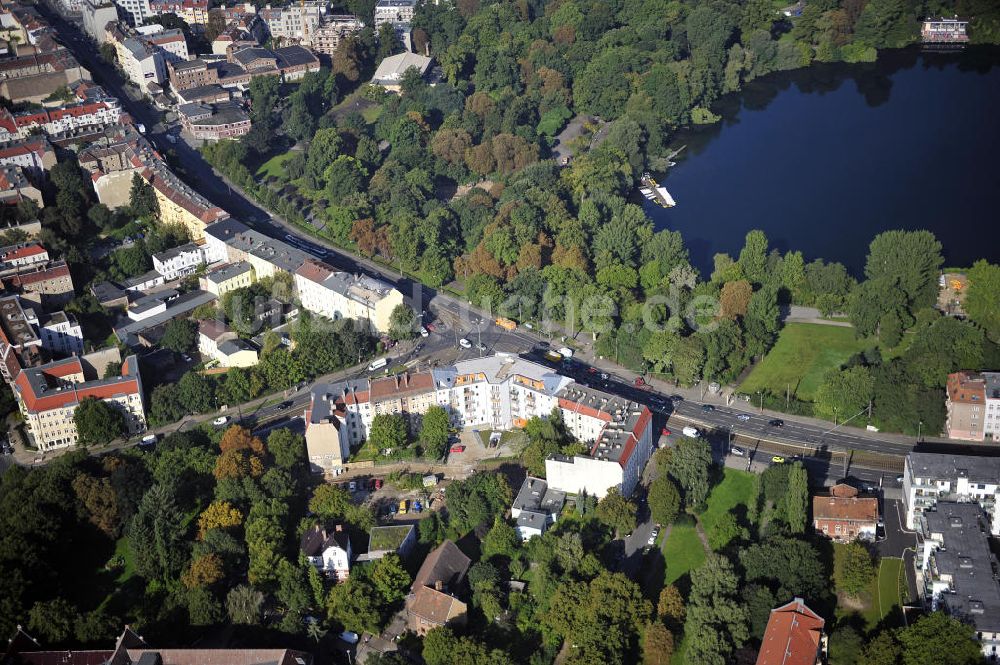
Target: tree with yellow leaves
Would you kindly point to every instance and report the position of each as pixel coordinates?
(218, 515)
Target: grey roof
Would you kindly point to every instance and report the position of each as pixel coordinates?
(106, 292)
(391, 69)
(174, 252)
(361, 288)
(291, 56)
(227, 272)
(536, 496)
(182, 65)
(248, 55)
(226, 229)
(201, 92)
(992, 384)
(274, 251)
(531, 520)
(945, 466)
(965, 556)
(182, 305)
(231, 346)
(221, 114)
(150, 276)
(325, 396)
(153, 300)
(623, 417)
(56, 318)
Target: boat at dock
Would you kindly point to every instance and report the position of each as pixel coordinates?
(655, 192)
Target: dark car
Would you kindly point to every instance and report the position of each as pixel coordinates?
(777, 422)
(285, 405)
(707, 408)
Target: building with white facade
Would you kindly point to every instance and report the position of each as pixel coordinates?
(136, 12)
(500, 392)
(92, 109)
(48, 395)
(171, 43)
(394, 11)
(536, 507)
(929, 478)
(61, 334)
(96, 15)
(337, 295)
(179, 261)
(295, 23)
(332, 29)
(957, 570)
(328, 552)
(142, 63)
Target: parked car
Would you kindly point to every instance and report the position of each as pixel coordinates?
(777, 422)
(778, 459)
(423, 331)
(220, 421)
(604, 376)
(665, 432)
(417, 507)
(185, 357)
(707, 408)
(464, 343)
(676, 399)
(481, 347)
(404, 507)
(736, 450)
(458, 449)
(743, 417)
(691, 432)
(899, 479)
(148, 440)
(353, 485)
(378, 483)
(652, 536)
(349, 637)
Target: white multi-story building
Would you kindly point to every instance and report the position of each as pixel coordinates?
(96, 15)
(394, 11)
(179, 261)
(500, 392)
(295, 23)
(328, 552)
(340, 295)
(141, 62)
(61, 334)
(171, 43)
(956, 570)
(932, 477)
(94, 108)
(136, 12)
(48, 395)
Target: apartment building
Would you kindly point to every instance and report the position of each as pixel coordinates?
(33, 77)
(179, 261)
(973, 406)
(15, 257)
(191, 74)
(794, 636)
(48, 395)
(171, 43)
(61, 334)
(266, 255)
(179, 203)
(956, 573)
(929, 478)
(222, 279)
(394, 11)
(536, 507)
(141, 62)
(193, 12)
(295, 23)
(93, 109)
(46, 284)
(214, 122)
(941, 30)
(136, 12)
(96, 15)
(20, 345)
(500, 392)
(34, 153)
(16, 187)
(332, 29)
(339, 295)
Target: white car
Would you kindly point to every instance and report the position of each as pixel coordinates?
(423, 332)
(737, 451)
(652, 537)
(220, 421)
(743, 417)
(352, 485)
(464, 343)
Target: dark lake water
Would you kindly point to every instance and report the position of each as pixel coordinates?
(822, 159)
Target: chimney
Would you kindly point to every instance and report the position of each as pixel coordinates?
(439, 586)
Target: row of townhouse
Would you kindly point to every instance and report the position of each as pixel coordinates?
(245, 256)
(500, 392)
(973, 406)
(92, 108)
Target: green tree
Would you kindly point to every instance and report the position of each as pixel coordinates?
(344, 177)
(97, 422)
(434, 432)
(883, 649)
(142, 198)
(657, 644)
(716, 621)
(982, 299)
(196, 392)
(844, 393)
(845, 645)
(753, 257)
(356, 605)
(664, 500)
(244, 604)
(388, 430)
(856, 570)
(402, 323)
(390, 578)
(795, 508)
(500, 541)
(329, 502)
(179, 335)
(725, 531)
(287, 448)
(617, 512)
(938, 639)
(477, 500)
(690, 464)
(53, 620)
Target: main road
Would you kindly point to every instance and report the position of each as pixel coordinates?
(462, 319)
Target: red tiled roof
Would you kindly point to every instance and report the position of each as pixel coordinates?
(792, 636)
(315, 271)
(966, 388)
(33, 249)
(855, 509)
(54, 271)
(577, 407)
(633, 440)
(398, 386)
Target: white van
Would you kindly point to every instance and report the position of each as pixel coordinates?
(378, 364)
(148, 440)
(691, 432)
(566, 352)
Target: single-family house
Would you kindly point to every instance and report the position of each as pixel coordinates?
(328, 552)
(432, 602)
(845, 516)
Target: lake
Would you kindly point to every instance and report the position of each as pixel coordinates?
(824, 158)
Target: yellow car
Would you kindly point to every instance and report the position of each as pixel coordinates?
(404, 507)
(778, 459)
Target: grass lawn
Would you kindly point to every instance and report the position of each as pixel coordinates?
(733, 491)
(801, 357)
(275, 166)
(892, 588)
(682, 551)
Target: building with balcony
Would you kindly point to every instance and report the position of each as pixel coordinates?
(943, 30)
(179, 262)
(929, 478)
(337, 295)
(957, 571)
